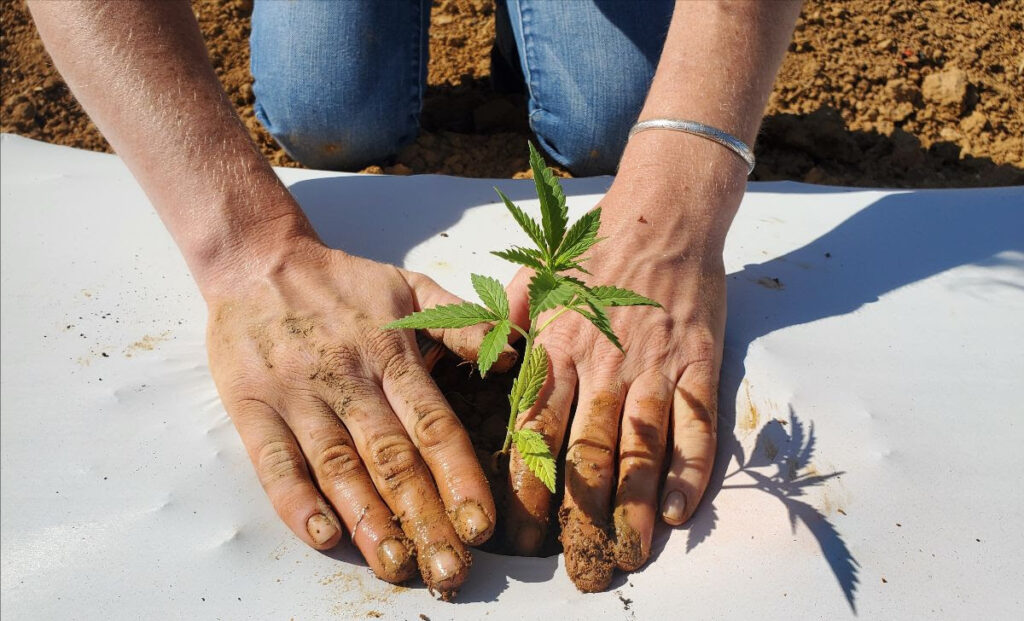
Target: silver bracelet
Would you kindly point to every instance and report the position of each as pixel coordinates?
(725, 139)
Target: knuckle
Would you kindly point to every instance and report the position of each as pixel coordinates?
(278, 460)
(395, 460)
(384, 346)
(587, 455)
(337, 359)
(435, 426)
(338, 461)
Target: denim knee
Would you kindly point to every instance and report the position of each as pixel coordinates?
(351, 139)
(339, 85)
(587, 67)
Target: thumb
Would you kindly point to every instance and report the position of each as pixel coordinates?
(463, 342)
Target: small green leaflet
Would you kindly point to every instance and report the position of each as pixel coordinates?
(522, 256)
(492, 294)
(548, 291)
(554, 213)
(581, 236)
(537, 455)
(492, 345)
(599, 318)
(446, 316)
(530, 380)
(617, 296)
(525, 222)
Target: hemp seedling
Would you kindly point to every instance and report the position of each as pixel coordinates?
(557, 250)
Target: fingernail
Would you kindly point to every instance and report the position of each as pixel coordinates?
(472, 523)
(528, 539)
(396, 559)
(445, 564)
(673, 508)
(320, 528)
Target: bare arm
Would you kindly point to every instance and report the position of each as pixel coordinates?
(668, 212)
(141, 71)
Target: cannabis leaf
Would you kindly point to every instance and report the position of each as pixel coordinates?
(554, 213)
(579, 239)
(525, 222)
(530, 380)
(491, 293)
(548, 291)
(446, 316)
(617, 296)
(492, 345)
(523, 256)
(537, 456)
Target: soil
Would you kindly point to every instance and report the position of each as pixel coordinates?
(873, 93)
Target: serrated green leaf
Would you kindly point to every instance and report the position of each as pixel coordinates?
(554, 213)
(616, 296)
(446, 316)
(528, 224)
(599, 318)
(537, 456)
(548, 291)
(492, 345)
(492, 294)
(530, 380)
(581, 236)
(522, 256)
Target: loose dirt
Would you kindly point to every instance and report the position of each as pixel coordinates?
(872, 93)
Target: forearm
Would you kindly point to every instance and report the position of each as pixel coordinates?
(717, 67)
(141, 71)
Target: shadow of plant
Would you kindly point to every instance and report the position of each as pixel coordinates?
(779, 465)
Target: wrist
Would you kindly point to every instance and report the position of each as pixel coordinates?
(680, 181)
(223, 262)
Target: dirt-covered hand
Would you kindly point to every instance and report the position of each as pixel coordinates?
(638, 411)
(341, 418)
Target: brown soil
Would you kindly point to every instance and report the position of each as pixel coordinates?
(873, 93)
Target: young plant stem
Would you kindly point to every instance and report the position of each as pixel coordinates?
(531, 336)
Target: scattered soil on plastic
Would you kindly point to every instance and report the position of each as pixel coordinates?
(872, 93)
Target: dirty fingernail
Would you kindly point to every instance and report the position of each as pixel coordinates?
(445, 564)
(394, 556)
(473, 524)
(673, 508)
(528, 539)
(320, 528)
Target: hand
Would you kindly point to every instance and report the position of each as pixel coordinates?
(632, 406)
(341, 418)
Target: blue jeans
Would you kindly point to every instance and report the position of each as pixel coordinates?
(339, 84)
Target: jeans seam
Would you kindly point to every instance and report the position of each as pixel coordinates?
(417, 70)
(526, 52)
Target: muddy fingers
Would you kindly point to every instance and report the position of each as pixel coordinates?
(641, 454)
(445, 448)
(589, 476)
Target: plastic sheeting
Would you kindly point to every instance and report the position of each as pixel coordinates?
(871, 411)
